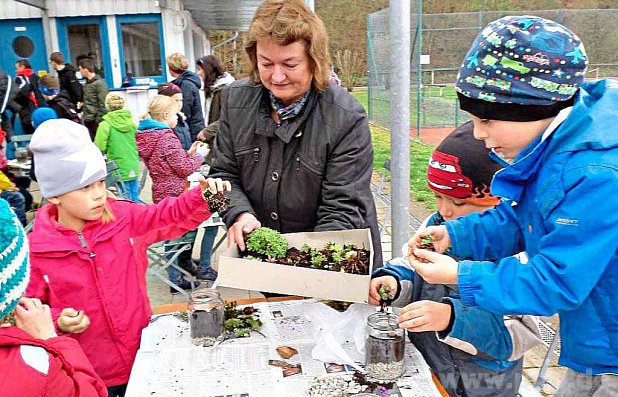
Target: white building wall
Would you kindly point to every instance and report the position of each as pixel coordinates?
(10, 9)
(66, 8)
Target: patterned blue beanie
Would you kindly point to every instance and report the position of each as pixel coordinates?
(521, 68)
(14, 269)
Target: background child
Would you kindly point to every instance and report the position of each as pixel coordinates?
(66, 77)
(81, 248)
(116, 138)
(34, 360)
(95, 90)
(168, 163)
(473, 352)
(182, 131)
(190, 84)
(58, 99)
(27, 94)
(556, 136)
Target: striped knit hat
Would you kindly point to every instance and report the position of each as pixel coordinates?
(14, 269)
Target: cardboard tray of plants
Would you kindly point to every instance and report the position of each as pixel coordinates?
(333, 265)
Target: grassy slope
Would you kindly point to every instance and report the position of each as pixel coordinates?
(419, 156)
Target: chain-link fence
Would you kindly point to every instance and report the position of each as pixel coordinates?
(446, 39)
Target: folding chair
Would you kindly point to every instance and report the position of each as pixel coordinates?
(114, 180)
(164, 254)
(143, 178)
(551, 339)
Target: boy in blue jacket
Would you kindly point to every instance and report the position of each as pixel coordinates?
(473, 352)
(523, 83)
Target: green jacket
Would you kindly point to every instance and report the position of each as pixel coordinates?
(95, 91)
(116, 138)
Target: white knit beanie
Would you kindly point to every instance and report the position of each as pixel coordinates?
(66, 159)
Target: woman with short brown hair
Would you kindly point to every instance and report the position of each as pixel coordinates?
(297, 149)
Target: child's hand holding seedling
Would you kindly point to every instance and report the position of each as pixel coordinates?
(382, 287)
(72, 321)
(435, 237)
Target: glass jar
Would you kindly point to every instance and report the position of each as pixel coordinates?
(206, 316)
(384, 347)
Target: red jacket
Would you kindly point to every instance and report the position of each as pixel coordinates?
(56, 367)
(102, 272)
(168, 163)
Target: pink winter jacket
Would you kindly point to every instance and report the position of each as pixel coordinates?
(168, 163)
(55, 367)
(102, 272)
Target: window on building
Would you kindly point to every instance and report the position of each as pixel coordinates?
(85, 41)
(23, 46)
(141, 47)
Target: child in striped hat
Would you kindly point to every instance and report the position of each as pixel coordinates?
(40, 362)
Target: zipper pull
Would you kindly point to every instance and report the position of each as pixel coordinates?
(297, 162)
(256, 154)
(84, 245)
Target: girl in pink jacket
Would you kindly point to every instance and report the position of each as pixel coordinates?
(34, 360)
(168, 163)
(82, 248)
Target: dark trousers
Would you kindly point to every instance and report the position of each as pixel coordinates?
(92, 128)
(117, 391)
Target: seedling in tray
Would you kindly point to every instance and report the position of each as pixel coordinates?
(268, 245)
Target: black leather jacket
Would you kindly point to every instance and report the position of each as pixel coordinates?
(311, 174)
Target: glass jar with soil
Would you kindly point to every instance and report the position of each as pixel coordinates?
(206, 317)
(384, 347)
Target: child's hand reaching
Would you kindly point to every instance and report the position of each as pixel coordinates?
(422, 316)
(72, 321)
(214, 185)
(434, 268)
(193, 148)
(374, 288)
(35, 319)
(440, 238)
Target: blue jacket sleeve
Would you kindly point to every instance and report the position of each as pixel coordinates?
(490, 235)
(478, 332)
(559, 275)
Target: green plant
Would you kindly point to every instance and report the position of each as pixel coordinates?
(317, 258)
(267, 243)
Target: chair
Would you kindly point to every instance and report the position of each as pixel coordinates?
(164, 254)
(551, 339)
(114, 180)
(143, 178)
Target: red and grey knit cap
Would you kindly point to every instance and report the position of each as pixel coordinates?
(461, 168)
(168, 89)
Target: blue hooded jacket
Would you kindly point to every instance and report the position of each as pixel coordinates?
(567, 221)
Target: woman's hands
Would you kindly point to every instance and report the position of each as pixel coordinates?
(245, 224)
(34, 318)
